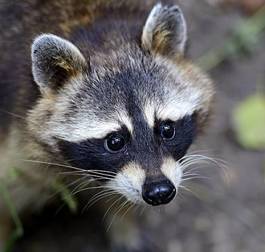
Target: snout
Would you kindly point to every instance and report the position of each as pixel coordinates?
(158, 193)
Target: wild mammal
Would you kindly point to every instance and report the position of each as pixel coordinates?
(102, 87)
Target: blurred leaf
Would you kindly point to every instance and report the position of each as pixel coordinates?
(18, 231)
(66, 196)
(243, 39)
(249, 122)
(13, 174)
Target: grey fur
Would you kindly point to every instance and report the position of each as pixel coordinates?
(165, 31)
(106, 80)
(127, 85)
(53, 57)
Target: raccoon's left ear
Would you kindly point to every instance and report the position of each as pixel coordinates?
(54, 61)
(165, 31)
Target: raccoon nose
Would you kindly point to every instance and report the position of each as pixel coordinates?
(157, 193)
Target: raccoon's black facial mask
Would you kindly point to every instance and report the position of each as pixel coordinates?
(148, 150)
(97, 153)
(177, 136)
(118, 148)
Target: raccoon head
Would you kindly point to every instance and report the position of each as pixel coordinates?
(130, 112)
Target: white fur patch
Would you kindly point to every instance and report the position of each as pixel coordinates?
(181, 99)
(172, 170)
(86, 129)
(176, 109)
(83, 124)
(178, 105)
(126, 120)
(149, 113)
(83, 129)
(129, 182)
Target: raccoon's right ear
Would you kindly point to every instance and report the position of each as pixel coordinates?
(54, 61)
(165, 31)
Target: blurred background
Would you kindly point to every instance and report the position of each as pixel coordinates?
(223, 208)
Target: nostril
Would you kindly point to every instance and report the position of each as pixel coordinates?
(157, 193)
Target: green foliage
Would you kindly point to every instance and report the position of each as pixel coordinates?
(243, 39)
(249, 122)
(18, 232)
(66, 195)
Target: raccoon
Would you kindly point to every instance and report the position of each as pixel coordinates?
(102, 88)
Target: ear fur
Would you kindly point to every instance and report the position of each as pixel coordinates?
(165, 31)
(54, 61)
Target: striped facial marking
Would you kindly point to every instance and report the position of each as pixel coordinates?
(83, 127)
(172, 170)
(129, 182)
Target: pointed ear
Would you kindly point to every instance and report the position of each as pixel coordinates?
(165, 31)
(54, 61)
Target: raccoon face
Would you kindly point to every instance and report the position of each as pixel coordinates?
(130, 112)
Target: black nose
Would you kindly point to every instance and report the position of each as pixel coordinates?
(157, 193)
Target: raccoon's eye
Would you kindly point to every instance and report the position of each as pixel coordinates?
(167, 130)
(114, 143)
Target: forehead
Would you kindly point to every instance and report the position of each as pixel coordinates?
(117, 91)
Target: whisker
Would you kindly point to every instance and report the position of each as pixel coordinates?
(195, 177)
(115, 215)
(84, 172)
(99, 196)
(216, 161)
(91, 188)
(66, 166)
(143, 209)
(194, 161)
(190, 191)
(130, 206)
(187, 174)
(191, 159)
(81, 185)
(13, 114)
(111, 206)
(72, 183)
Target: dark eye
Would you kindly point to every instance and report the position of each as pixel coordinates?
(114, 143)
(167, 130)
